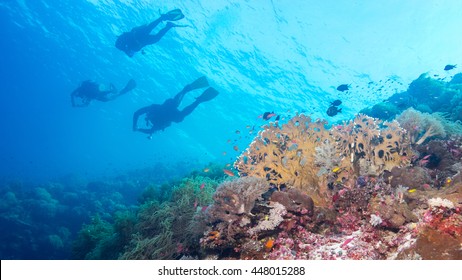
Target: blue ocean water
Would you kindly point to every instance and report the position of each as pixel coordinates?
(262, 56)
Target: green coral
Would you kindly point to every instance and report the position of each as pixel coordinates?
(87, 245)
(382, 110)
(170, 229)
(168, 223)
(101, 240)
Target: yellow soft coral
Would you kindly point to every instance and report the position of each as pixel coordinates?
(371, 145)
(285, 155)
(289, 155)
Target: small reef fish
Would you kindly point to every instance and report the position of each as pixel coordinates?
(269, 244)
(336, 169)
(202, 186)
(449, 67)
(412, 190)
(268, 115)
(206, 170)
(228, 172)
(348, 240)
(214, 235)
(447, 182)
(236, 148)
(336, 103)
(238, 132)
(332, 111)
(343, 87)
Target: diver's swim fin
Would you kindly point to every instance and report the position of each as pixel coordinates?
(130, 85)
(199, 83)
(173, 15)
(207, 95)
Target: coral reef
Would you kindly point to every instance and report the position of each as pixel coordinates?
(383, 110)
(364, 192)
(169, 229)
(421, 126)
(306, 155)
(427, 95)
(236, 198)
(294, 201)
(285, 156)
(368, 192)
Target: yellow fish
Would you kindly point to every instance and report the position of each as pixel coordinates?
(336, 169)
(447, 182)
(412, 190)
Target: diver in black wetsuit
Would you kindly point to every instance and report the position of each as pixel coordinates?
(161, 116)
(89, 90)
(139, 37)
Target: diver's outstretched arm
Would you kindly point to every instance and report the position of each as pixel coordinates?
(112, 93)
(136, 115)
(128, 87)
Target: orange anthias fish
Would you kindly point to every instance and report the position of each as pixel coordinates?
(269, 244)
(202, 186)
(228, 172)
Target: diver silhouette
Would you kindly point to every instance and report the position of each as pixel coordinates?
(161, 116)
(139, 37)
(89, 90)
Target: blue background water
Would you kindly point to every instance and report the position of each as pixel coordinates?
(286, 56)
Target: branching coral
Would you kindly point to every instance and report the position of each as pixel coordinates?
(452, 128)
(232, 199)
(326, 157)
(275, 217)
(167, 231)
(421, 126)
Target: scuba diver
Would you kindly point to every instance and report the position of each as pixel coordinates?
(89, 90)
(161, 116)
(139, 37)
